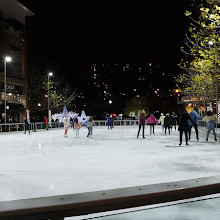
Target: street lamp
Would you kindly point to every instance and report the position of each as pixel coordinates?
(48, 82)
(177, 91)
(7, 59)
(211, 43)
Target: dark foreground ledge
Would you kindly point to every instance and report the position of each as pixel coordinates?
(58, 207)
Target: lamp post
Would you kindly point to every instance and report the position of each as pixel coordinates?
(211, 43)
(48, 93)
(177, 91)
(7, 59)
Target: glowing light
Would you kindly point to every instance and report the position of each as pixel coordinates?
(210, 43)
(50, 74)
(8, 59)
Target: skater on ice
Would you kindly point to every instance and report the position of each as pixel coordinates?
(152, 121)
(184, 126)
(89, 124)
(26, 125)
(66, 126)
(195, 117)
(210, 119)
(142, 119)
(174, 120)
(109, 122)
(161, 121)
(77, 126)
(46, 122)
(167, 123)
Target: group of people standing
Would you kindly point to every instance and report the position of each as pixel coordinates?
(168, 122)
(185, 123)
(151, 120)
(75, 124)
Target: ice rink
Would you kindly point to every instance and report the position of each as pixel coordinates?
(45, 163)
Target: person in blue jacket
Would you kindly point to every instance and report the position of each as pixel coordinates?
(195, 117)
(109, 122)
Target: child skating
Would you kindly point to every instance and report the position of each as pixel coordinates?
(77, 126)
(66, 126)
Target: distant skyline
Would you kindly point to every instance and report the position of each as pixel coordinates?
(69, 36)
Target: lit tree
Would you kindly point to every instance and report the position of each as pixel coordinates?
(200, 78)
(136, 104)
(60, 97)
(60, 94)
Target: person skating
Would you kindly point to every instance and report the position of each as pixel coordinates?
(89, 125)
(167, 123)
(77, 126)
(174, 120)
(109, 122)
(72, 122)
(195, 117)
(26, 125)
(210, 119)
(184, 126)
(66, 126)
(142, 119)
(46, 122)
(152, 121)
(161, 121)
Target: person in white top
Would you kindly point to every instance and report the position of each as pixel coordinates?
(210, 119)
(161, 121)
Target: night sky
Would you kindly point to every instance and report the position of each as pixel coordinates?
(70, 36)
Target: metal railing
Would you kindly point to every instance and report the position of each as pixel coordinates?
(10, 127)
(59, 207)
(117, 122)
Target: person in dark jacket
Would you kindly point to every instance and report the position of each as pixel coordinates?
(167, 123)
(142, 119)
(174, 120)
(26, 125)
(184, 126)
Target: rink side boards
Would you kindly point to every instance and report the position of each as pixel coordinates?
(58, 207)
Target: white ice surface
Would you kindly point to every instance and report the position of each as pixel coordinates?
(45, 163)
